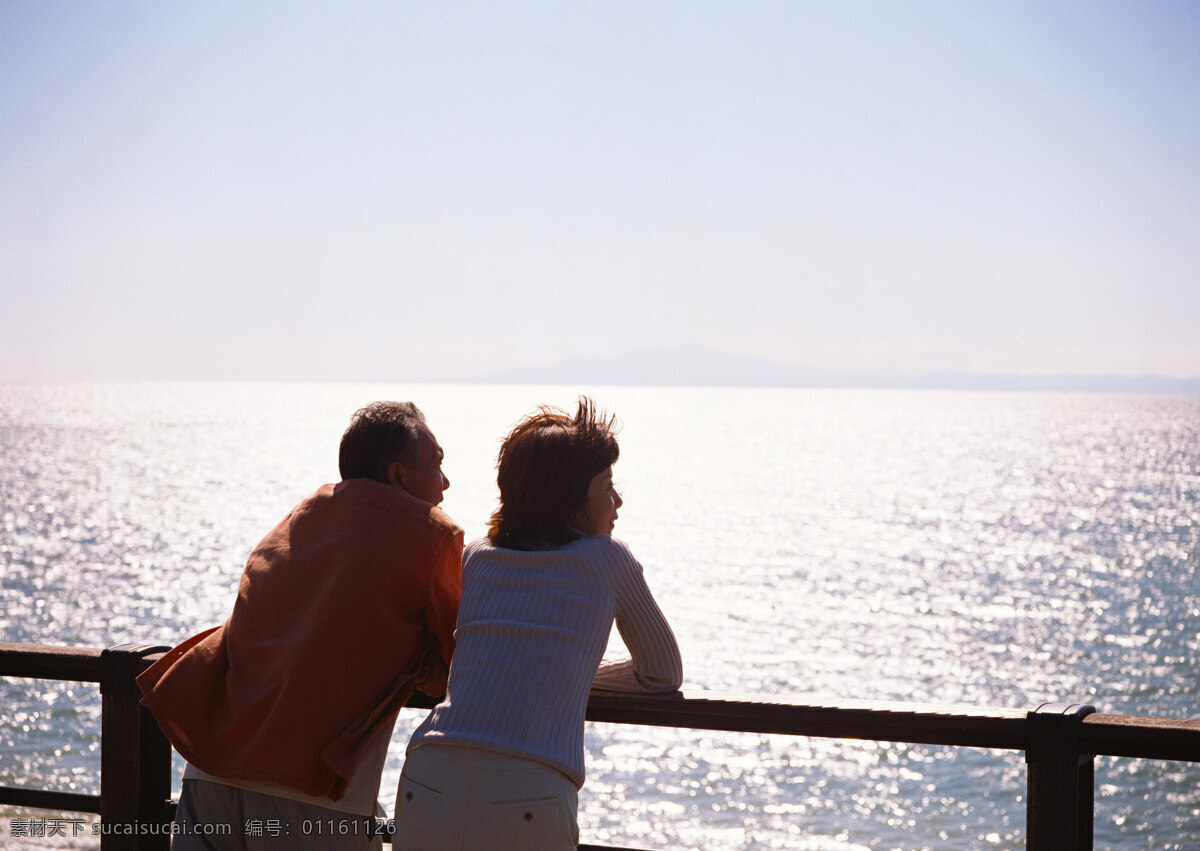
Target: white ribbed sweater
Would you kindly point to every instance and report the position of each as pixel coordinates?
(532, 628)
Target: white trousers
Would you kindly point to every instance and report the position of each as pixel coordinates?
(216, 817)
(454, 798)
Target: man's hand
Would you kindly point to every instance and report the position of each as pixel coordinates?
(433, 672)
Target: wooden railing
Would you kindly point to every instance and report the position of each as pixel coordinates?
(1060, 741)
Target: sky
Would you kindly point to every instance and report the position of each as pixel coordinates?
(391, 190)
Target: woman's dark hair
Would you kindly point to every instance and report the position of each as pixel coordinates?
(546, 464)
(378, 434)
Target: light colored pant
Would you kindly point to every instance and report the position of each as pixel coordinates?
(455, 798)
(216, 817)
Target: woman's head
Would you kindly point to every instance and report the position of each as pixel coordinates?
(546, 465)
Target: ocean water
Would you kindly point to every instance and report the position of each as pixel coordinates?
(969, 548)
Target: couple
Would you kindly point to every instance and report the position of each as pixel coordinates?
(363, 594)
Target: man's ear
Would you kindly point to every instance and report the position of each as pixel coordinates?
(395, 473)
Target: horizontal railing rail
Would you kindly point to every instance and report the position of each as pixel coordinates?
(1060, 740)
(39, 661)
(1135, 736)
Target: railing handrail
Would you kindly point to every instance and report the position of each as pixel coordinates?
(1135, 736)
(50, 662)
(1141, 736)
(1059, 740)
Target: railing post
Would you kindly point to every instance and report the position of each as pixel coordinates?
(1061, 784)
(135, 758)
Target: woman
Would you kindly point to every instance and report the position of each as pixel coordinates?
(499, 762)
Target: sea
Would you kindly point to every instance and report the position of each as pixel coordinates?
(971, 548)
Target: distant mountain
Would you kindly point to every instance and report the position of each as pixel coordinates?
(1151, 384)
(686, 366)
(691, 366)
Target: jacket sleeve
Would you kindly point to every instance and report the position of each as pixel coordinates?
(441, 616)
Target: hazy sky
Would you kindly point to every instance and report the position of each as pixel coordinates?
(358, 190)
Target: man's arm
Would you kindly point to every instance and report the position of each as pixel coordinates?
(433, 673)
(441, 617)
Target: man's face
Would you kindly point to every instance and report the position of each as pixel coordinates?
(425, 479)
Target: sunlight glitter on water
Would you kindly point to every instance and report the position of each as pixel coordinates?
(979, 549)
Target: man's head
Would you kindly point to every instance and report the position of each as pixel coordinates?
(390, 443)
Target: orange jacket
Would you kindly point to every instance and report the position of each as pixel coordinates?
(344, 608)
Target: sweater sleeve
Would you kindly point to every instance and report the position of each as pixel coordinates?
(654, 664)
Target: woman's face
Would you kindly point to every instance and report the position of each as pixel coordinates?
(599, 513)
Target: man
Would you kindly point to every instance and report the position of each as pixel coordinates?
(285, 712)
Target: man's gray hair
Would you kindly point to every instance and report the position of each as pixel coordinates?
(378, 434)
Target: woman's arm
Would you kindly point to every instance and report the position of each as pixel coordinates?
(655, 664)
